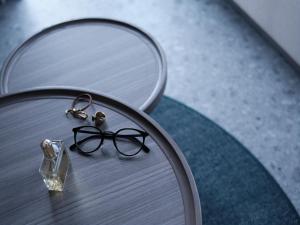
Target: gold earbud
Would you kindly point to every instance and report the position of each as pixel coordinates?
(77, 113)
(99, 118)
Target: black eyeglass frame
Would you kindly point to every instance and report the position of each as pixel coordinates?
(109, 135)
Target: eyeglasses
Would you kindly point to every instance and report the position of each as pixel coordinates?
(127, 141)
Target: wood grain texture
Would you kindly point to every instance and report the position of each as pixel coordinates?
(105, 188)
(102, 55)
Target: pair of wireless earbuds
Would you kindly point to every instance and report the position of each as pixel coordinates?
(99, 117)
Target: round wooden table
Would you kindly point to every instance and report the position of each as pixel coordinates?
(104, 188)
(102, 55)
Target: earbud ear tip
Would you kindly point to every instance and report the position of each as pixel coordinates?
(99, 118)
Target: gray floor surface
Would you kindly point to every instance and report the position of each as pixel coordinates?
(217, 64)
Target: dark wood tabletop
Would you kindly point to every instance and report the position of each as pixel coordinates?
(104, 188)
(102, 55)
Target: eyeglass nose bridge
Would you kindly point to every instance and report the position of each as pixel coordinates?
(108, 134)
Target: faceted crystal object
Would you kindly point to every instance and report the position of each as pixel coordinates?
(55, 164)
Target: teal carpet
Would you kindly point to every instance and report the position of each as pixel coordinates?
(234, 187)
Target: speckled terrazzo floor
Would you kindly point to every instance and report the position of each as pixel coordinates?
(217, 64)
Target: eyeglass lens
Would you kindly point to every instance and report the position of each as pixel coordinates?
(88, 139)
(129, 141)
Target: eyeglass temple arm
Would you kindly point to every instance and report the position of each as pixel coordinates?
(110, 136)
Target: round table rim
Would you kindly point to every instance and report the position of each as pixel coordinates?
(147, 106)
(152, 122)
